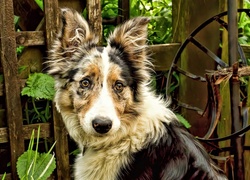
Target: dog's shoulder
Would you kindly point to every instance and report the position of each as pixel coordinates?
(176, 155)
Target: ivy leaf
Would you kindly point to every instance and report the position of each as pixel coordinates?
(39, 86)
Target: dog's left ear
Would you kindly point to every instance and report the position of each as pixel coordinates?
(130, 39)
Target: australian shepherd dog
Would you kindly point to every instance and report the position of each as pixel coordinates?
(123, 129)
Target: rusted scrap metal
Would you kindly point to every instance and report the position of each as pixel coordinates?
(226, 73)
(214, 104)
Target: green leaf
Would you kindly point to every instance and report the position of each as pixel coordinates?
(39, 86)
(19, 50)
(24, 164)
(16, 19)
(40, 3)
(183, 121)
(4, 175)
(33, 165)
(175, 84)
(44, 165)
(21, 69)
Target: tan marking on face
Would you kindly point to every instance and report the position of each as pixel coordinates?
(120, 99)
(84, 99)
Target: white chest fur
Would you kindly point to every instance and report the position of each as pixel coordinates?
(99, 165)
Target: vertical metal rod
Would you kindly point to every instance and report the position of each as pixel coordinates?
(237, 143)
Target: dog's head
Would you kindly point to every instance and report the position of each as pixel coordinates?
(99, 88)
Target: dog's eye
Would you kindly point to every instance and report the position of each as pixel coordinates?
(118, 87)
(85, 83)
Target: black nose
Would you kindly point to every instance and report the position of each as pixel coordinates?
(102, 125)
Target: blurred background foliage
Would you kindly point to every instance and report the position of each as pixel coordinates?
(160, 12)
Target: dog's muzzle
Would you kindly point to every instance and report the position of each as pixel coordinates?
(102, 125)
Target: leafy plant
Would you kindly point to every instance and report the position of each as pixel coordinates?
(160, 12)
(244, 25)
(109, 8)
(34, 165)
(39, 88)
(39, 3)
(19, 50)
(4, 175)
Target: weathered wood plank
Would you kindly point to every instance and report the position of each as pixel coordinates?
(4, 135)
(30, 38)
(12, 87)
(51, 21)
(62, 151)
(95, 17)
(45, 131)
(192, 59)
(7, 177)
(60, 135)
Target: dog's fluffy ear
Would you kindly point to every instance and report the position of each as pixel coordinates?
(73, 32)
(74, 29)
(130, 38)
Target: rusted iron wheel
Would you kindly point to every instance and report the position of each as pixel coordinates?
(213, 100)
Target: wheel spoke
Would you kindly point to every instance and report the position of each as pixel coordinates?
(188, 74)
(209, 53)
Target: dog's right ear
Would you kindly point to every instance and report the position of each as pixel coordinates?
(73, 32)
(73, 29)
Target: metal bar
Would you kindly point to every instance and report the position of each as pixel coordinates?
(208, 52)
(235, 90)
(231, 136)
(188, 74)
(240, 50)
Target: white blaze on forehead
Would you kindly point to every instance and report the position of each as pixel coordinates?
(103, 105)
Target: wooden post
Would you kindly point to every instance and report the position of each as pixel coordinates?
(187, 16)
(123, 11)
(95, 17)
(12, 84)
(51, 21)
(60, 134)
(62, 150)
